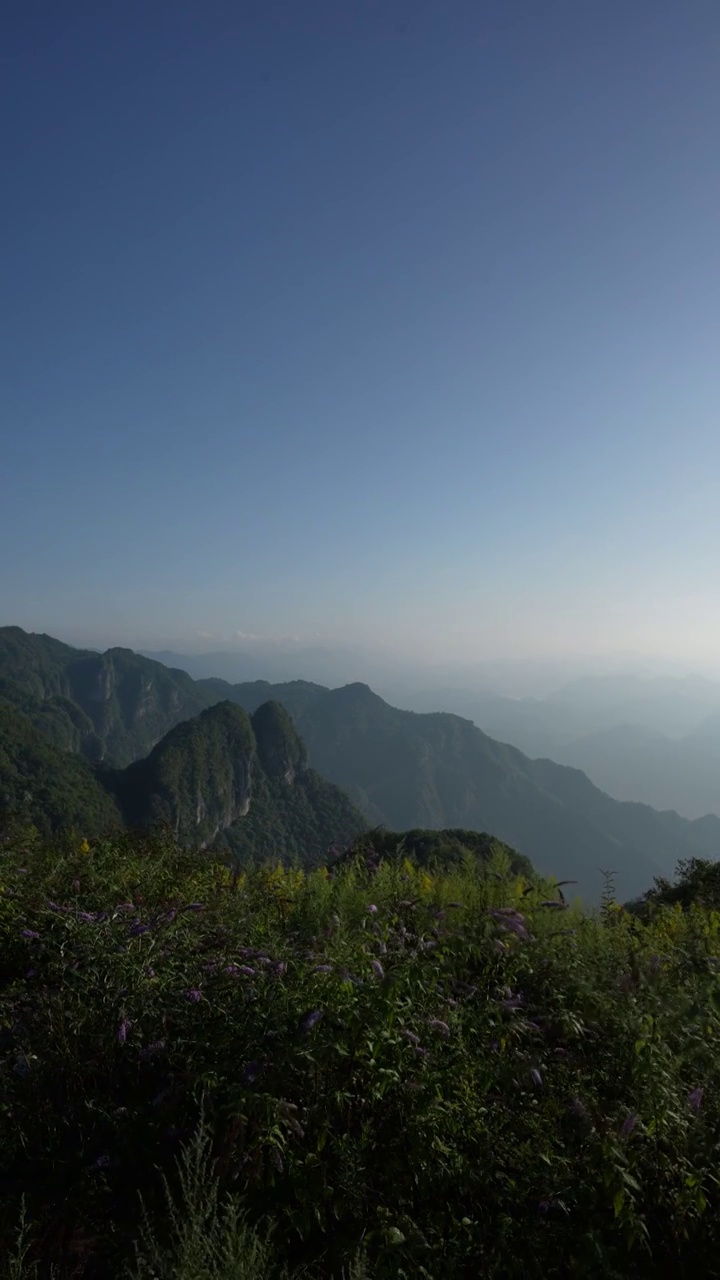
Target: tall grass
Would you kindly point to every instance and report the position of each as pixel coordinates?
(384, 1070)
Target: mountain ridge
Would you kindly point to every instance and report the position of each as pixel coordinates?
(406, 769)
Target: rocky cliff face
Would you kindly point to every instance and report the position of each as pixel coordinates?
(198, 779)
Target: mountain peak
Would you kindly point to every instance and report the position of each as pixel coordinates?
(279, 746)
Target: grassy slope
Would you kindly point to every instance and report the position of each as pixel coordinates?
(487, 1085)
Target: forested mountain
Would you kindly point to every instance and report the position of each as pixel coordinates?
(655, 740)
(223, 779)
(436, 770)
(402, 769)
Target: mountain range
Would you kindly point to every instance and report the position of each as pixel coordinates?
(135, 723)
(655, 740)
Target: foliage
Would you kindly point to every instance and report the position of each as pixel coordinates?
(210, 780)
(697, 881)
(51, 788)
(450, 1070)
(401, 769)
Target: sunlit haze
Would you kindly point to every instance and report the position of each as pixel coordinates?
(387, 324)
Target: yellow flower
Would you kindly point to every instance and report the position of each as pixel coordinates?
(84, 847)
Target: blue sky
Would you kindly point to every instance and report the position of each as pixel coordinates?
(381, 320)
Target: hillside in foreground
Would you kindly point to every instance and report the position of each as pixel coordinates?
(403, 1071)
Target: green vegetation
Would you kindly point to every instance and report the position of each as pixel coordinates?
(220, 780)
(403, 770)
(50, 788)
(381, 1069)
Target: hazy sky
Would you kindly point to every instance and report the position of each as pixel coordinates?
(379, 319)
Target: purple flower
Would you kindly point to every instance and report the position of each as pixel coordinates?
(695, 1097)
(628, 1124)
(122, 1031)
(193, 995)
(30, 934)
(87, 916)
(512, 1001)
(149, 1050)
(310, 1020)
(515, 925)
(251, 1072)
(579, 1109)
(55, 906)
(372, 909)
(149, 972)
(21, 871)
(137, 929)
(438, 1025)
(378, 969)
(536, 1077)
(102, 1162)
(280, 968)
(544, 1206)
(410, 1035)
(194, 906)
(30, 973)
(323, 968)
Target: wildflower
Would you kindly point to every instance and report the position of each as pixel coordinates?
(84, 846)
(378, 969)
(102, 1162)
(536, 1077)
(410, 1035)
(251, 1072)
(512, 1001)
(122, 1031)
(628, 1124)
(438, 1025)
(138, 929)
(149, 1050)
(194, 906)
(280, 968)
(515, 925)
(87, 916)
(21, 871)
(544, 1206)
(149, 972)
(323, 968)
(240, 970)
(372, 909)
(30, 934)
(695, 1097)
(193, 995)
(310, 1020)
(579, 1109)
